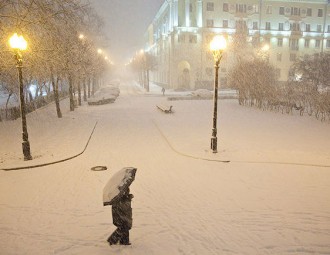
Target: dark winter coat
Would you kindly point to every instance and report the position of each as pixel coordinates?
(122, 212)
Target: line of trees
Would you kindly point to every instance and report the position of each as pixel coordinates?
(307, 90)
(142, 64)
(57, 59)
(256, 80)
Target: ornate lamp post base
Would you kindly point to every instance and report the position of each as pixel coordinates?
(26, 150)
(214, 144)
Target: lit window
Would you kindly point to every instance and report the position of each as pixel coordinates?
(280, 26)
(241, 8)
(295, 11)
(309, 12)
(225, 7)
(307, 43)
(293, 44)
(269, 9)
(210, 6)
(295, 27)
(255, 8)
(317, 43)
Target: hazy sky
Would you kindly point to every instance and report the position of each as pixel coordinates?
(126, 22)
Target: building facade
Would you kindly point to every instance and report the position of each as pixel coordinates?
(180, 34)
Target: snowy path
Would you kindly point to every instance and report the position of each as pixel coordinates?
(181, 205)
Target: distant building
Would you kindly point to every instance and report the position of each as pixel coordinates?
(180, 34)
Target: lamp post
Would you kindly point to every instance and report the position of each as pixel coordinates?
(19, 44)
(217, 46)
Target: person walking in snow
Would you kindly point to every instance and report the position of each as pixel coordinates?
(122, 219)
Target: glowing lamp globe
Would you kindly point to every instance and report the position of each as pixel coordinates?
(17, 42)
(218, 43)
(265, 47)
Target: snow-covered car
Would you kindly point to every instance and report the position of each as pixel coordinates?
(202, 93)
(104, 95)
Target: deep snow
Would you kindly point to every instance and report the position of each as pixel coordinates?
(272, 198)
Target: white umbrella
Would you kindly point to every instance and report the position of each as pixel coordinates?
(117, 184)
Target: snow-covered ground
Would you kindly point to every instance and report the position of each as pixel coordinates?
(272, 198)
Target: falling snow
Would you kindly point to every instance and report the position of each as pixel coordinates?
(272, 198)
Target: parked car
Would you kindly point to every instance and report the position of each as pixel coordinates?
(104, 95)
(202, 93)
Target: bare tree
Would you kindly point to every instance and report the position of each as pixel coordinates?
(51, 28)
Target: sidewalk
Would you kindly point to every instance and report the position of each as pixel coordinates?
(51, 139)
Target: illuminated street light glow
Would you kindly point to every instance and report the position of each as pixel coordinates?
(265, 47)
(18, 42)
(218, 43)
(99, 51)
(81, 36)
(217, 46)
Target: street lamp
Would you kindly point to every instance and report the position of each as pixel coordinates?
(217, 46)
(18, 44)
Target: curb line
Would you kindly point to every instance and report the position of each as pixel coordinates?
(54, 162)
(234, 161)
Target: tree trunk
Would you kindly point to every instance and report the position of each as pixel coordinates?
(56, 97)
(89, 87)
(93, 86)
(7, 104)
(79, 93)
(147, 81)
(71, 93)
(85, 92)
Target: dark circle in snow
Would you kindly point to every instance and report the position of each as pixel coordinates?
(99, 168)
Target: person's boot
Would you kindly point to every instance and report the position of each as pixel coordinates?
(113, 238)
(124, 240)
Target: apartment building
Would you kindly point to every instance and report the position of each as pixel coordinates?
(180, 34)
